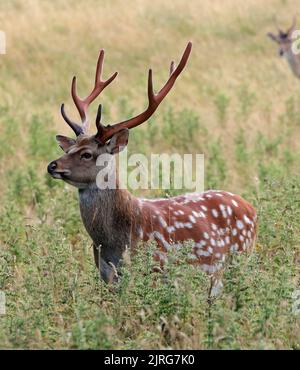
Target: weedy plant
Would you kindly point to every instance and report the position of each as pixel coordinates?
(222, 102)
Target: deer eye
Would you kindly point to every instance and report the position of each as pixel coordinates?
(86, 155)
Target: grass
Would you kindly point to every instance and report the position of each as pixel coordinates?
(236, 102)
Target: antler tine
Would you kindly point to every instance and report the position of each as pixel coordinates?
(98, 119)
(293, 25)
(74, 126)
(83, 104)
(153, 100)
(276, 25)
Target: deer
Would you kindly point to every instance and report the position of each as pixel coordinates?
(285, 41)
(217, 222)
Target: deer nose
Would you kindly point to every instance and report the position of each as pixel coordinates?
(52, 166)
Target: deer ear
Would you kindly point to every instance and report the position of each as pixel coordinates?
(65, 142)
(273, 37)
(118, 142)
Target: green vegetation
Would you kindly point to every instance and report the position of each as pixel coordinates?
(246, 122)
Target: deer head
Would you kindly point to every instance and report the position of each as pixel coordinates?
(78, 165)
(284, 39)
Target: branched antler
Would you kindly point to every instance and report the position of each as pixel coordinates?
(83, 104)
(106, 132)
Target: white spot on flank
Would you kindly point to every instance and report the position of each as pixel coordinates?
(247, 220)
(229, 210)
(204, 208)
(234, 203)
(215, 213)
(162, 222)
(214, 227)
(201, 252)
(212, 242)
(192, 219)
(159, 236)
(241, 238)
(205, 234)
(179, 225)
(221, 231)
(196, 214)
(223, 210)
(234, 232)
(202, 243)
(170, 229)
(240, 224)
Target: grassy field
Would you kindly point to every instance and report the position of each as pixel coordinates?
(236, 102)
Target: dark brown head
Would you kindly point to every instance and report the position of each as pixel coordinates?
(78, 165)
(283, 39)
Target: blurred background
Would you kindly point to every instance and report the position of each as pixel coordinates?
(237, 102)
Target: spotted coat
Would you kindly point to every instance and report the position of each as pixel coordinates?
(217, 222)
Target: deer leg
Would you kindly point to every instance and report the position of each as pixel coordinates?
(216, 284)
(107, 270)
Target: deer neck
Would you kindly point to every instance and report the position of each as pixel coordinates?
(112, 218)
(294, 61)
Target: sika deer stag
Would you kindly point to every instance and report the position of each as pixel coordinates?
(218, 222)
(285, 41)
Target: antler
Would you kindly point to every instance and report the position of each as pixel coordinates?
(292, 26)
(106, 132)
(277, 25)
(83, 104)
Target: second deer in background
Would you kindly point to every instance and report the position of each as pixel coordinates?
(285, 41)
